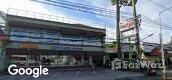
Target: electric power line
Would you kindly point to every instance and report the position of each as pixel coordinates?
(156, 3)
(74, 7)
(81, 7)
(85, 8)
(152, 1)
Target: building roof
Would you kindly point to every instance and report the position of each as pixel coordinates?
(148, 48)
(15, 16)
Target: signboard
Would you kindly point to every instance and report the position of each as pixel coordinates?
(28, 45)
(126, 25)
(3, 37)
(33, 35)
(129, 33)
(111, 50)
(75, 48)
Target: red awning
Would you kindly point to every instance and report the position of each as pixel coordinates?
(3, 37)
(156, 52)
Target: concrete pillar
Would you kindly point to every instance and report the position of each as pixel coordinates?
(130, 56)
(27, 60)
(82, 60)
(90, 60)
(73, 60)
(1, 67)
(3, 62)
(104, 59)
(123, 55)
(64, 59)
(112, 65)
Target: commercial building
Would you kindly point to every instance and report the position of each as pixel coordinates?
(153, 53)
(150, 52)
(32, 39)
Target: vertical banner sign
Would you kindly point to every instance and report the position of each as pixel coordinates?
(126, 25)
(128, 35)
(127, 28)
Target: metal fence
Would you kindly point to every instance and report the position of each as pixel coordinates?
(42, 16)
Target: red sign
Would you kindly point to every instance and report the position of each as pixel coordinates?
(125, 25)
(28, 45)
(156, 52)
(3, 37)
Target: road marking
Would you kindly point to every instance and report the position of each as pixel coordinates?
(25, 78)
(56, 74)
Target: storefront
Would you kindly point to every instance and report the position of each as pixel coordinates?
(51, 58)
(32, 41)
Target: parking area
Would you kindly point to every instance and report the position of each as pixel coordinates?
(101, 74)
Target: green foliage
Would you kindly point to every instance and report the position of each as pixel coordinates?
(113, 2)
(129, 2)
(123, 2)
(111, 45)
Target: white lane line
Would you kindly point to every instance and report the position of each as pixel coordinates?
(56, 74)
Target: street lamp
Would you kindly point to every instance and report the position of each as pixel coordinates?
(161, 42)
(147, 37)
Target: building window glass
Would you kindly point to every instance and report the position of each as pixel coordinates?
(45, 60)
(70, 39)
(92, 41)
(33, 35)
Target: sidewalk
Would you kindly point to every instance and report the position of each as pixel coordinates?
(101, 74)
(169, 74)
(140, 78)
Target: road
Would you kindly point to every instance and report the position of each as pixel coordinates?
(101, 74)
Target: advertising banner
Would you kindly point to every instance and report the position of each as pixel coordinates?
(28, 45)
(126, 25)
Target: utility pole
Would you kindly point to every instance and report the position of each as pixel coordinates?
(118, 29)
(118, 4)
(161, 43)
(136, 27)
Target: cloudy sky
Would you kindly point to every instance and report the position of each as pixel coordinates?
(149, 8)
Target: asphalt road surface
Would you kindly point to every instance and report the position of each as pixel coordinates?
(101, 74)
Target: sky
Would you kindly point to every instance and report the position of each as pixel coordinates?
(143, 7)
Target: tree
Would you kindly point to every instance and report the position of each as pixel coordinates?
(111, 45)
(124, 2)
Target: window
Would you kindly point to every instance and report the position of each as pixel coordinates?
(71, 36)
(92, 41)
(14, 38)
(33, 35)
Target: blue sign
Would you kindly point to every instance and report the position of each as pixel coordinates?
(73, 48)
